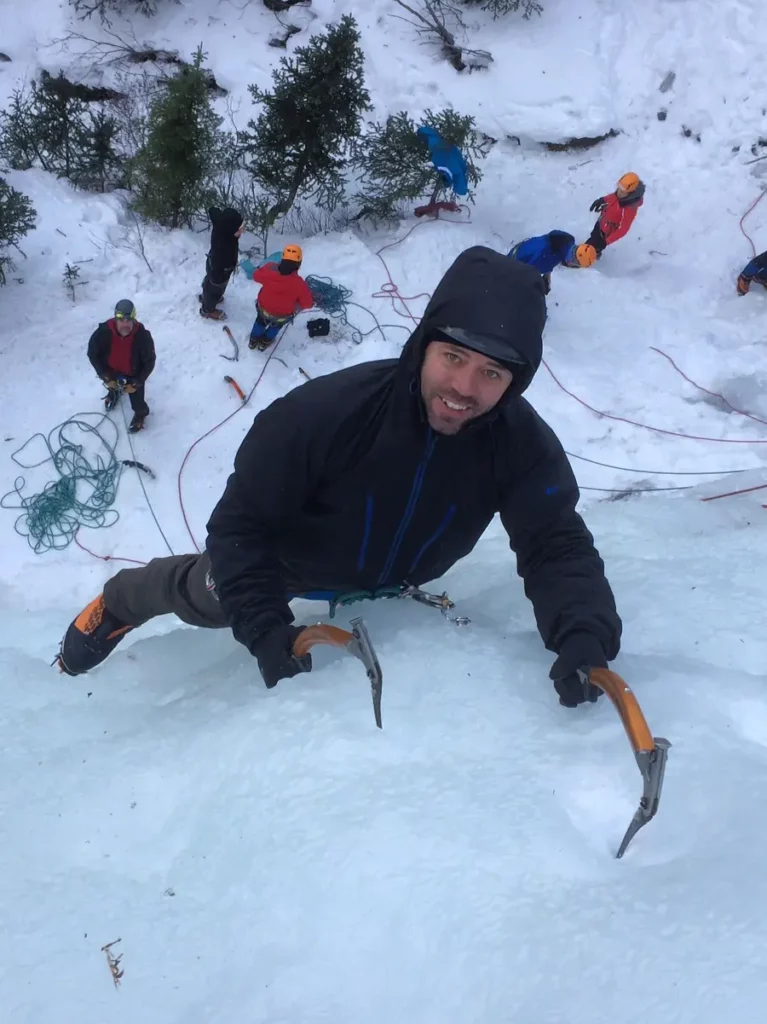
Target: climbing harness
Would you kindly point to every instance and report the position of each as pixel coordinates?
(439, 601)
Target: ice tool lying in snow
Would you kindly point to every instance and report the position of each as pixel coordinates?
(357, 643)
(230, 336)
(650, 752)
(236, 386)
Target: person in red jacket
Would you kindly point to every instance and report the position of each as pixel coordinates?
(283, 293)
(121, 351)
(616, 212)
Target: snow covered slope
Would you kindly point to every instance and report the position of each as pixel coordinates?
(270, 856)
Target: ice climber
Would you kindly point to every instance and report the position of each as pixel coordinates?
(121, 351)
(754, 270)
(616, 212)
(221, 262)
(283, 293)
(545, 252)
(386, 472)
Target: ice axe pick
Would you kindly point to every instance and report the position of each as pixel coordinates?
(650, 752)
(356, 643)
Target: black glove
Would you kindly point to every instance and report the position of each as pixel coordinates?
(598, 205)
(578, 651)
(274, 652)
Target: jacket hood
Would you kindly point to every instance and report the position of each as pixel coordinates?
(489, 294)
(561, 242)
(634, 198)
(225, 221)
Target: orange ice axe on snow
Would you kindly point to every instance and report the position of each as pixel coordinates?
(356, 643)
(236, 386)
(650, 752)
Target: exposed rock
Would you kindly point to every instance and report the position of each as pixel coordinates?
(580, 143)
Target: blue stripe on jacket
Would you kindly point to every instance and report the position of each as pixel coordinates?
(431, 441)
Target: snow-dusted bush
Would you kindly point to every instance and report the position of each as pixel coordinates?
(499, 7)
(50, 126)
(16, 218)
(172, 174)
(395, 166)
(299, 145)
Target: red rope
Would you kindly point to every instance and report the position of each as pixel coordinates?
(729, 494)
(647, 426)
(207, 433)
(389, 290)
(107, 558)
(752, 207)
(712, 394)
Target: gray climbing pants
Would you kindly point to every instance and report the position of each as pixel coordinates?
(179, 585)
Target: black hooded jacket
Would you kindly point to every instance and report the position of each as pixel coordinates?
(224, 247)
(342, 485)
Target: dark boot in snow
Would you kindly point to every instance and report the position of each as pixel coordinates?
(92, 636)
(136, 424)
(212, 314)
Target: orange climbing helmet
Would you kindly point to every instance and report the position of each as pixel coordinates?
(293, 252)
(585, 255)
(628, 183)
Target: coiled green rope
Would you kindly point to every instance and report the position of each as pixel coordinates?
(85, 488)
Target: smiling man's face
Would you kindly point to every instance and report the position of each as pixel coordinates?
(458, 385)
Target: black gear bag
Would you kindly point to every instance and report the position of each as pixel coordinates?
(319, 328)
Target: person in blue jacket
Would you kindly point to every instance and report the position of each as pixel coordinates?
(447, 159)
(545, 252)
(754, 270)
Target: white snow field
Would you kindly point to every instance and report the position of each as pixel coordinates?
(271, 857)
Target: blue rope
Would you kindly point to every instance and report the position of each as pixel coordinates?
(334, 300)
(329, 297)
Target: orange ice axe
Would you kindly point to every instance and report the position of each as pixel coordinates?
(235, 385)
(650, 752)
(356, 643)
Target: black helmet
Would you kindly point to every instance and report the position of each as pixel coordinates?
(125, 310)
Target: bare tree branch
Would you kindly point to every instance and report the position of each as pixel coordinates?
(433, 21)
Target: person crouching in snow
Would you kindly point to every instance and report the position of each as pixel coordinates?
(754, 270)
(545, 252)
(616, 212)
(221, 262)
(121, 351)
(283, 293)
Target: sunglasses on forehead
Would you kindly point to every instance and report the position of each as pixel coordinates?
(494, 348)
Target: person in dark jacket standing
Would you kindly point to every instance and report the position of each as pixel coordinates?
(221, 262)
(385, 473)
(121, 351)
